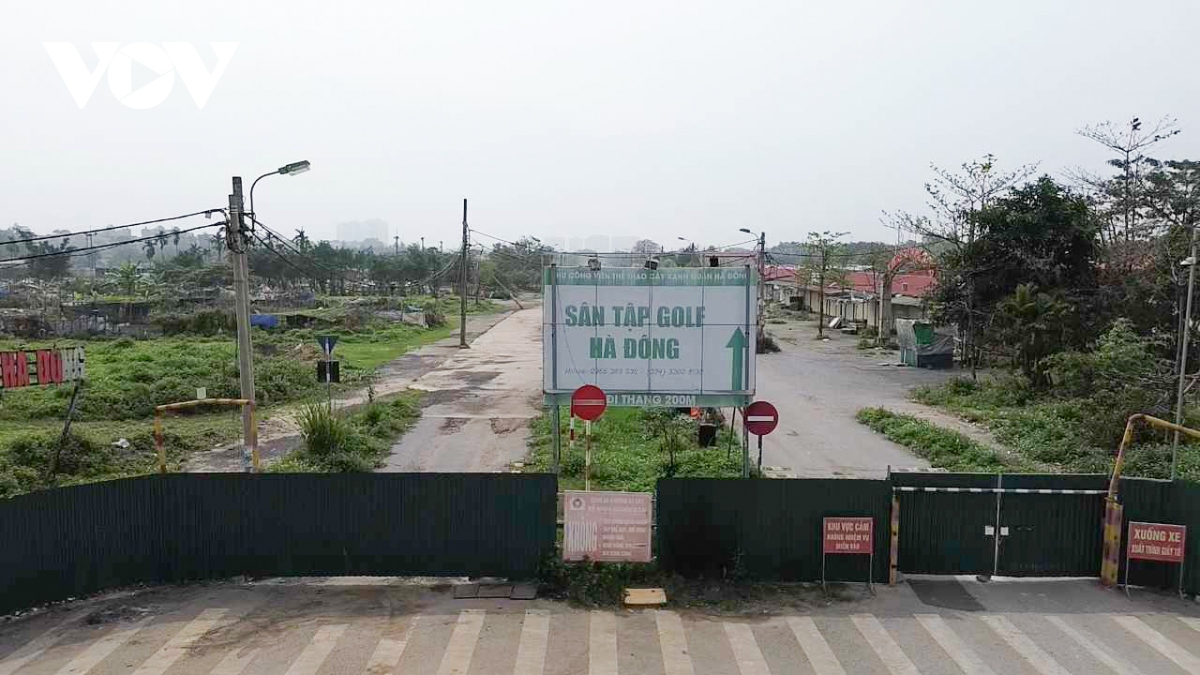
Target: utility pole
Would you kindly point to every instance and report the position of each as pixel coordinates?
(462, 286)
(1183, 354)
(236, 240)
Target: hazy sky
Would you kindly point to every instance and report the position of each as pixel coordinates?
(570, 119)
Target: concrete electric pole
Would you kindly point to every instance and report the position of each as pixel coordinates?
(237, 242)
(462, 286)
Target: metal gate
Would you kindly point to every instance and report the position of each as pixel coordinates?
(1012, 525)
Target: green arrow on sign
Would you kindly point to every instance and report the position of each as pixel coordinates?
(737, 342)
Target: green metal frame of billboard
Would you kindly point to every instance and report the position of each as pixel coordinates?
(660, 400)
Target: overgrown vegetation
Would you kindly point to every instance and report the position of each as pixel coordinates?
(335, 441)
(1076, 423)
(943, 448)
(632, 448)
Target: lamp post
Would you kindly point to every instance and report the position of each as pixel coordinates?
(762, 261)
(1190, 261)
(238, 244)
(290, 170)
(691, 248)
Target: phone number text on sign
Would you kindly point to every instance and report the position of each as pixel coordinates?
(606, 526)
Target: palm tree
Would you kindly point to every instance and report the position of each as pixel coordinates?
(218, 243)
(302, 241)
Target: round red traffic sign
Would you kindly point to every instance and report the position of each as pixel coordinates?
(588, 402)
(760, 418)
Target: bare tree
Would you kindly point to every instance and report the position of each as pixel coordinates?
(1126, 194)
(953, 200)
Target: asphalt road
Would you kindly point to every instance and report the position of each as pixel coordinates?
(330, 627)
(478, 402)
(818, 386)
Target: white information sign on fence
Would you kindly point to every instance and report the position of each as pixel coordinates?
(606, 526)
(670, 337)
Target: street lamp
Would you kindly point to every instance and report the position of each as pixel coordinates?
(762, 261)
(691, 248)
(292, 169)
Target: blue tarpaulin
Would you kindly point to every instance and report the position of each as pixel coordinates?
(264, 320)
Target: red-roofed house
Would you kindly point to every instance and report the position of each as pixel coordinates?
(855, 297)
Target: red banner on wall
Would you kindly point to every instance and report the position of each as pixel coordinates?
(1157, 541)
(848, 535)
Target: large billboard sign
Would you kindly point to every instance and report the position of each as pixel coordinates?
(667, 337)
(41, 367)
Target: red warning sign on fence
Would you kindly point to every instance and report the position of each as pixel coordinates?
(848, 535)
(1157, 541)
(606, 526)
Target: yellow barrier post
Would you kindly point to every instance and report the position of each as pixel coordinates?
(159, 411)
(1110, 563)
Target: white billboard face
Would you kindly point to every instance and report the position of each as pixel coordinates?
(687, 331)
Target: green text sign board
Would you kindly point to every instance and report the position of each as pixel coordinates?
(670, 337)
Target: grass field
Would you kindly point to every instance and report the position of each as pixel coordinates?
(126, 378)
(628, 452)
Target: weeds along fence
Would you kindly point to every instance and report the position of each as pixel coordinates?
(71, 541)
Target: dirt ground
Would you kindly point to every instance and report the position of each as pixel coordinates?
(478, 402)
(279, 434)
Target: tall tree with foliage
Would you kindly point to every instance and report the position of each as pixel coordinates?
(1040, 234)
(824, 265)
(950, 230)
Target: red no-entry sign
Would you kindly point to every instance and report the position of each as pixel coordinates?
(761, 418)
(588, 402)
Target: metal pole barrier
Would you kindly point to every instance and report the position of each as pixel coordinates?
(895, 552)
(556, 444)
(254, 458)
(587, 462)
(158, 442)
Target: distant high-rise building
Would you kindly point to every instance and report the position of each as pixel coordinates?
(360, 230)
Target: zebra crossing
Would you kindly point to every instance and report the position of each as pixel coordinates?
(557, 640)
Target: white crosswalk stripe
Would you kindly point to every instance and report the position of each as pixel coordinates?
(101, 649)
(531, 652)
(169, 653)
(1100, 651)
(520, 642)
(819, 655)
(460, 651)
(673, 642)
(35, 647)
(749, 657)
(1021, 644)
(602, 644)
(390, 649)
(955, 648)
(317, 650)
(1161, 644)
(894, 658)
(235, 662)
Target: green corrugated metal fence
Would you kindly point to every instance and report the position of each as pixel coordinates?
(70, 541)
(1160, 501)
(766, 529)
(1050, 525)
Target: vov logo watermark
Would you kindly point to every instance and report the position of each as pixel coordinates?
(118, 60)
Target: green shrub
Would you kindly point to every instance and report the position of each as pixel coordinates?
(943, 448)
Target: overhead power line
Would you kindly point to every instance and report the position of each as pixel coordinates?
(73, 252)
(110, 228)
